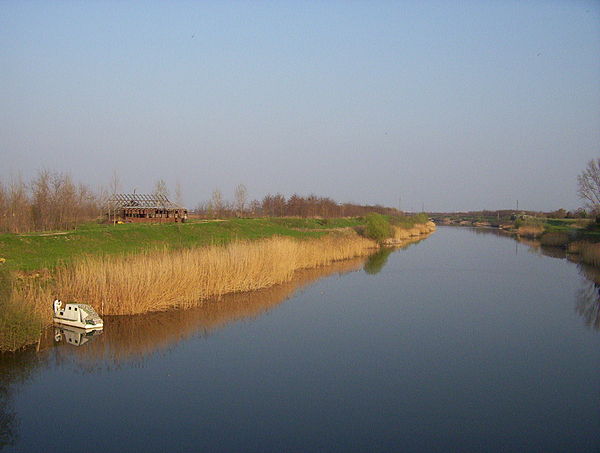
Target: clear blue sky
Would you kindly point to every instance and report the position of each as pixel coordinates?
(454, 105)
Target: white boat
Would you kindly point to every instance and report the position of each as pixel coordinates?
(77, 315)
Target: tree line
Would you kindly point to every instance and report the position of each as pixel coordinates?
(279, 206)
(51, 201)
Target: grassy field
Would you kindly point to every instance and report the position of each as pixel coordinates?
(30, 252)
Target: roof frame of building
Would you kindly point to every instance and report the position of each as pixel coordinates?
(141, 201)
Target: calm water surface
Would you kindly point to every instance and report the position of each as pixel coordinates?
(462, 342)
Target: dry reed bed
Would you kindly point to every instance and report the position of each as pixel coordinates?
(402, 234)
(530, 231)
(156, 281)
(127, 337)
(25, 309)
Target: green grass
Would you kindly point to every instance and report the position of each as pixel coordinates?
(562, 225)
(408, 221)
(29, 252)
(316, 224)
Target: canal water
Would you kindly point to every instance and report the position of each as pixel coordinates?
(461, 342)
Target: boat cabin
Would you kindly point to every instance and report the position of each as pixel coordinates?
(77, 315)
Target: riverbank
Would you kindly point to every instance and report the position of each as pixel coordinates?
(157, 275)
(580, 238)
(36, 252)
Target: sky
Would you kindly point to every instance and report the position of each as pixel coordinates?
(446, 106)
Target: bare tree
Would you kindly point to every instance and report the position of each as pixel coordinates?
(18, 218)
(160, 188)
(241, 198)
(178, 194)
(255, 208)
(114, 187)
(115, 183)
(216, 203)
(42, 200)
(589, 185)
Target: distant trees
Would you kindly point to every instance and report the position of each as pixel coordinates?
(160, 188)
(51, 201)
(240, 198)
(278, 206)
(216, 203)
(589, 185)
(178, 194)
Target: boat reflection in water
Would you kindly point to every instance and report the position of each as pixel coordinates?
(74, 335)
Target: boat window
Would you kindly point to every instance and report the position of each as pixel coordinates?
(76, 309)
(69, 308)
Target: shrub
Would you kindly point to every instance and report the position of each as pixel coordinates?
(409, 221)
(377, 227)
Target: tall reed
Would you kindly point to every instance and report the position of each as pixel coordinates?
(159, 280)
(400, 233)
(24, 309)
(128, 337)
(530, 231)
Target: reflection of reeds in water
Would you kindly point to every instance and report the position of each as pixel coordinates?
(555, 239)
(377, 261)
(155, 281)
(588, 296)
(588, 304)
(590, 253)
(133, 337)
(14, 370)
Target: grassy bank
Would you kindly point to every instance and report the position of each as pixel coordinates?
(30, 252)
(129, 269)
(579, 238)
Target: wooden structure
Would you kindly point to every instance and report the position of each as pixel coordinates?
(153, 208)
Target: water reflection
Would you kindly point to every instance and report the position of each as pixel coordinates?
(134, 337)
(74, 336)
(588, 296)
(377, 261)
(15, 369)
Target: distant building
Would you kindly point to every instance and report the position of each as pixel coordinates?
(146, 208)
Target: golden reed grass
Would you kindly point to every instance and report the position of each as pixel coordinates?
(134, 337)
(530, 231)
(402, 234)
(24, 310)
(159, 280)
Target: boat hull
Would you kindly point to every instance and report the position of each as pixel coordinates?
(78, 324)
